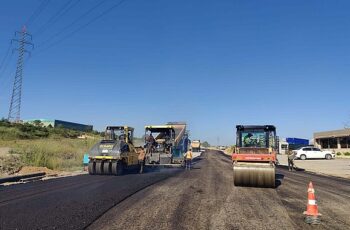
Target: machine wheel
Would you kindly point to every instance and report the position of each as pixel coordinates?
(328, 156)
(107, 168)
(92, 168)
(99, 168)
(303, 157)
(117, 168)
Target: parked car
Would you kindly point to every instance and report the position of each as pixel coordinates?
(313, 153)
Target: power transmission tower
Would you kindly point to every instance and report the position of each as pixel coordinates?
(15, 106)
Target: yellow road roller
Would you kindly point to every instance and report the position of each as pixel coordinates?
(115, 153)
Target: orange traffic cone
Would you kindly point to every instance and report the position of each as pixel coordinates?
(311, 212)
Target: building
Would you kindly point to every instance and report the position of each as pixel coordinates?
(337, 140)
(62, 124)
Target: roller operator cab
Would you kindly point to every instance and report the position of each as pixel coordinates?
(254, 157)
(115, 153)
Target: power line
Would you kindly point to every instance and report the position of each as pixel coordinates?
(5, 75)
(5, 57)
(84, 26)
(4, 67)
(59, 14)
(73, 23)
(37, 12)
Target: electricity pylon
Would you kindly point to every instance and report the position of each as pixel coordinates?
(15, 106)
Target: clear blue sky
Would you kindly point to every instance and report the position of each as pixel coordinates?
(213, 64)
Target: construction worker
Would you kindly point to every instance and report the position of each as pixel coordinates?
(150, 142)
(188, 159)
(291, 157)
(247, 139)
(141, 158)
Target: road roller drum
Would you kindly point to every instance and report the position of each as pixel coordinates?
(254, 175)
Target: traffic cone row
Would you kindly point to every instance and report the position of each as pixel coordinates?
(312, 214)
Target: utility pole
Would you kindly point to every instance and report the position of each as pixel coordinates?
(15, 106)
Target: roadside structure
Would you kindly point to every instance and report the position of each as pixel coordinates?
(291, 143)
(59, 123)
(337, 140)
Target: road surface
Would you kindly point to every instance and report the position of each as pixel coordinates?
(203, 198)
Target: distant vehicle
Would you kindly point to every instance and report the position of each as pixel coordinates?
(283, 147)
(196, 146)
(313, 153)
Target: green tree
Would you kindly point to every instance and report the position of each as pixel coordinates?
(205, 144)
(37, 123)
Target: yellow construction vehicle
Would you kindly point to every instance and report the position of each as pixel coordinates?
(115, 153)
(196, 145)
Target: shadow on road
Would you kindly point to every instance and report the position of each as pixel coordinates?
(279, 179)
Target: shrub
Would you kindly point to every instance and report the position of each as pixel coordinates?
(338, 153)
(347, 154)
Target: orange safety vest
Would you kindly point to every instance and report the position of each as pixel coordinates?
(189, 155)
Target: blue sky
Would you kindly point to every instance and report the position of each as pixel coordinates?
(213, 64)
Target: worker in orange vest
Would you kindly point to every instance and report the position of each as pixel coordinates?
(188, 159)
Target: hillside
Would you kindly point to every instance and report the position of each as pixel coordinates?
(34, 145)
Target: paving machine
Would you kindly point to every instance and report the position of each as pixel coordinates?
(115, 153)
(254, 157)
(166, 144)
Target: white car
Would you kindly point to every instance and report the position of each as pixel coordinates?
(313, 153)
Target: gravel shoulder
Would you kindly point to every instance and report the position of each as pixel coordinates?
(205, 198)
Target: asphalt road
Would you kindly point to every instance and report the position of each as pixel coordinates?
(203, 198)
(71, 202)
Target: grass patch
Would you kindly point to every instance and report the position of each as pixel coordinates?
(56, 154)
(35, 145)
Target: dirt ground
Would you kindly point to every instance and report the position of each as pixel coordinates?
(4, 151)
(31, 169)
(339, 167)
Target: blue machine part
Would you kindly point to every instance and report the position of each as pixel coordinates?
(86, 159)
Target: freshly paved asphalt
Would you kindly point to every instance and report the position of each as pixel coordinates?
(71, 202)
